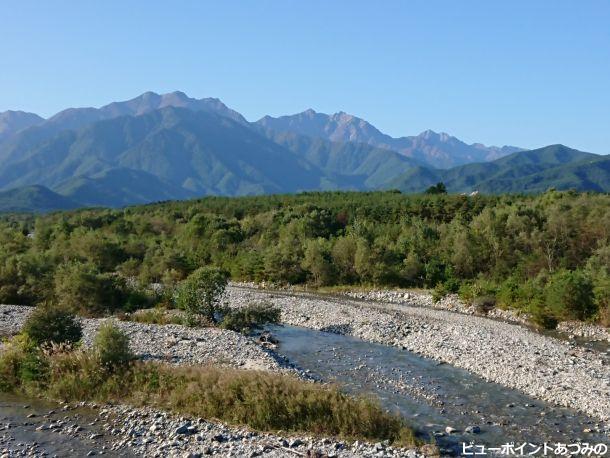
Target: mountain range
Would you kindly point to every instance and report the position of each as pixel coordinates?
(166, 147)
(438, 150)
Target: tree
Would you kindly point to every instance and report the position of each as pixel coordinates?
(438, 188)
(569, 294)
(81, 288)
(201, 293)
(318, 262)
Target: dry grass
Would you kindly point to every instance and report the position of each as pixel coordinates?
(155, 316)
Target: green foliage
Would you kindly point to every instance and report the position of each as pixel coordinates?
(251, 317)
(438, 188)
(48, 324)
(201, 293)
(21, 363)
(480, 288)
(502, 246)
(111, 345)
(543, 318)
(569, 295)
(443, 289)
(81, 288)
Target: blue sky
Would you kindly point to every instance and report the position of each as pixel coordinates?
(527, 73)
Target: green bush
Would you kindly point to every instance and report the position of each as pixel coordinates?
(441, 290)
(542, 318)
(47, 324)
(111, 345)
(569, 295)
(21, 363)
(480, 292)
(248, 318)
(601, 291)
(201, 293)
(81, 288)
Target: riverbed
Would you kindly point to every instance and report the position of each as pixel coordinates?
(547, 369)
(31, 427)
(435, 398)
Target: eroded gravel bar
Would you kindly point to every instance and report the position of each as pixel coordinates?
(153, 433)
(508, 354)
(171, 343)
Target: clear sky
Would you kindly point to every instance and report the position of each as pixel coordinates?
(520, 72)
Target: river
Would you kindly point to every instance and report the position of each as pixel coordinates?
(31, 427)
(433, 396)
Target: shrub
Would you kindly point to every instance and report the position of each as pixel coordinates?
(49, 324)
(201, 293)
(481, 293)
(443, 289)
(439, 292)
(81, 288)
(253, 316)
(438, 188)
(111, 345)
(155, 316)
(601, 291)
(569, 295)
(541, 318)
(21, 362)
(484, 304)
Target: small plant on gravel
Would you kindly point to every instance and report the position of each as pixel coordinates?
(201, 293)
(444, 289)
(157, 315)
(48, 324)
(484, 304)
(251, 317)
(111, 345)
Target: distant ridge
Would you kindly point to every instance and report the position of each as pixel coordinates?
(12, 122)
(34, 199)
(170, 146)
(438, 150)
(523, 172)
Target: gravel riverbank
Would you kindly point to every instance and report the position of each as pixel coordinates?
(172, 343)
(154, 433)
(511, 355)
(453, 303)
(120, 431)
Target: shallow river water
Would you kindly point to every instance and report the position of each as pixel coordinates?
(434, 396)
(24, 430)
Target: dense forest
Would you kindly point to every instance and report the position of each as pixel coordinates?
(548, 255)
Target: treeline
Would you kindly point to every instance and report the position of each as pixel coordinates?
(548, 255)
